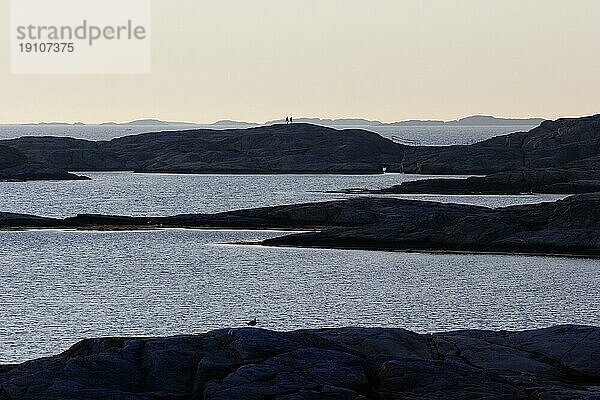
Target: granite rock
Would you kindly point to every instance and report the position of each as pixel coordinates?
(345, 363)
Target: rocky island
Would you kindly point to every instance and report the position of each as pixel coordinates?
(548, 180)
(562, 362)
(560, 156)
(565, 227)
(276, 149)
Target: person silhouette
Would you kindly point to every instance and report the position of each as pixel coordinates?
(287, 120)
(291, 120)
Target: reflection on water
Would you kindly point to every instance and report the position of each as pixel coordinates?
(59, 287)
(126, 193)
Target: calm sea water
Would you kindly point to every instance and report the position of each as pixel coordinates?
(126, 193)
(415, 135)
(58, 287)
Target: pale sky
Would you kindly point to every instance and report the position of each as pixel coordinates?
(388, 60)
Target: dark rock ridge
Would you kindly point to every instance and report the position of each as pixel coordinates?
(567, 227)
(550, 180)
(560, 156)
(297, 148)
(16, 166)
(568, 143)
(12, 220)
(562, 362)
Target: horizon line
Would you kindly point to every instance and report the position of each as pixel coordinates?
(332, 119)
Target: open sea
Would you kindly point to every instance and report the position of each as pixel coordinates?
(62, 286)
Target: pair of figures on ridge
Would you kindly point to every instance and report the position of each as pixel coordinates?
(289, 120)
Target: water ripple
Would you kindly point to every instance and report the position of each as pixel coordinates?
(59, 287)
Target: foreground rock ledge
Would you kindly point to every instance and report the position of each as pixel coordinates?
(350, 363)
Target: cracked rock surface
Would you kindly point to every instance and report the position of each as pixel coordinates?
(349, 363)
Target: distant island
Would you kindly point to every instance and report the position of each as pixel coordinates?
(149, 122)
(474, 120)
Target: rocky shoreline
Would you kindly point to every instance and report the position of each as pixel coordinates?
(558, 157)
(548, 181)
(567, 143)
(561, 362)
(565, 227)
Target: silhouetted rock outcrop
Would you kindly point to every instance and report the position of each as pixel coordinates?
(558, 181)
(16, 166)
(297, 148)
(347, 363)
(568, 143)
(568, 227)
(12, 220)
(560, 156)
